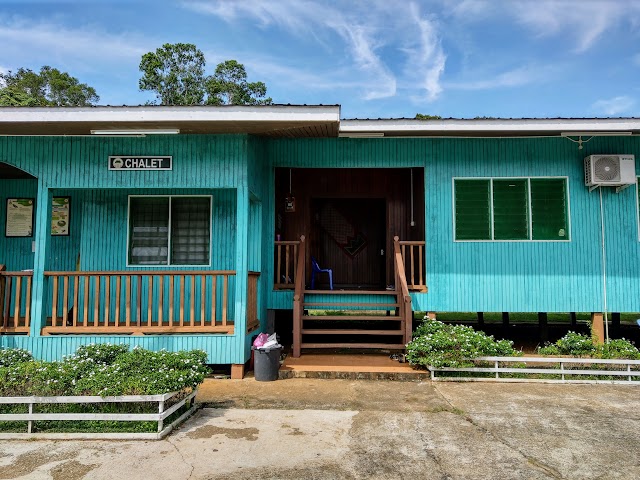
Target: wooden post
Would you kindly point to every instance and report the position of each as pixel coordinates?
(237, 371)
(543, 326)
(597, 327)
(480, 319)
(574, 319)
(615, 324)
(298, 300)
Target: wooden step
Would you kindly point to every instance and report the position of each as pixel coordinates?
(350, 317)
(350, 292)
(378, 346)
(324, 304)
(344, 331)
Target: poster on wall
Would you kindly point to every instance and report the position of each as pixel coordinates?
(60, 215)
(19, 217)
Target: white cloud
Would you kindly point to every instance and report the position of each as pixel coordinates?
(517, 77)
(615, 105)
(585, 21)
(364, 29)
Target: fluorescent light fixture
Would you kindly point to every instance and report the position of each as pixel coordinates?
(361, 135)
(138, 131)
(594, 134)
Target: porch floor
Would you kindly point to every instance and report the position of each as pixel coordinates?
(346, 363)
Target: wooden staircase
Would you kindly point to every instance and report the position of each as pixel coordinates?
(373, 322)
(366, 319)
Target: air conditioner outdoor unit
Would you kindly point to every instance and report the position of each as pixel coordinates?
(609, 170)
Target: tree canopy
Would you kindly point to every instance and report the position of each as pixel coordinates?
(423, 116)
(176, 73)
(48, 88)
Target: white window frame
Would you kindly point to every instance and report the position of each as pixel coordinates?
(528, 179)
(167, 265)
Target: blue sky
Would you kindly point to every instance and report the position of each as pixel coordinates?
(388, 58)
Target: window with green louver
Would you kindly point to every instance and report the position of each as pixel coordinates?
(473, 210)
(504, 209)
(167, 230)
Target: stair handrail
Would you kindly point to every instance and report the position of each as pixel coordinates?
(402, 289)
(298, 299)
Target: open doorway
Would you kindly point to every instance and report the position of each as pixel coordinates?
(348, 235)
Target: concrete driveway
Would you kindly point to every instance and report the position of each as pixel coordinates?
(329, 429)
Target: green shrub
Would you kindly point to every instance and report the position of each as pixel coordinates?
(106, 370)
(12, 356)
(442, 345)
(579, 345)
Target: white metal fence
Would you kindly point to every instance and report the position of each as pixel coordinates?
(159, 417)
(624, 371)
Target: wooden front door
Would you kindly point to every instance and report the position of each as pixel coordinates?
(349, 236)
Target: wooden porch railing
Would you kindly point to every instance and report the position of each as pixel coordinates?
(286, 263)
(413, 259)
(404, 299)
(298, 300)
(253, 322)
(139, 302)
(15, 301)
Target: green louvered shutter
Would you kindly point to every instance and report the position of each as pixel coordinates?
(148, 230)
(510, 209)
(472, 215)
(549, 209)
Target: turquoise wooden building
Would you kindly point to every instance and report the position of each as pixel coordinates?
(187, 227)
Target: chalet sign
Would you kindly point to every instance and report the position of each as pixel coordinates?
(123, 162)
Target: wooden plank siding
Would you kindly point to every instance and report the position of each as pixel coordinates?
(498, 276)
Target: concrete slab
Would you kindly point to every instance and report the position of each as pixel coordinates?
(329, 429)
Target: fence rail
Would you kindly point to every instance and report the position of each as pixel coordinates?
(414, 260)
(140, 302)
(15, 301)
(286, 258)
(159, 417)
(551, 367)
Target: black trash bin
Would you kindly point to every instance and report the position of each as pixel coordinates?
(266, 363)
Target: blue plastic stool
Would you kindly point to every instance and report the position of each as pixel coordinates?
(315, 268)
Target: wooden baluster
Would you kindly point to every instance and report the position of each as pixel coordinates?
(160, 300)
(286, 265)
(171, 277)
(7, 303)
(413, 280)
(118, 295)
(128, 301)
(65, 300)
(54, 303)
(107, 300)
(96, 303)
(214, 293)
(203, 288)
(139, 302)
(181, 277)
(17, 304)
(76, 296)
(278, 266)
(192, 309)
(225, 286)
(420, 249)
(150, 302)
(27, 313)
(85, 318)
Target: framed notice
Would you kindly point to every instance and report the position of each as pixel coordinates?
(19, 217)
(60, 216)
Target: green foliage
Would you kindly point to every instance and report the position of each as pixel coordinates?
(441, 345)
(579, 345)
(229, 86)
(176, 73)
(104, 370)
(48, 88)
(421, 116)
(13, 356)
